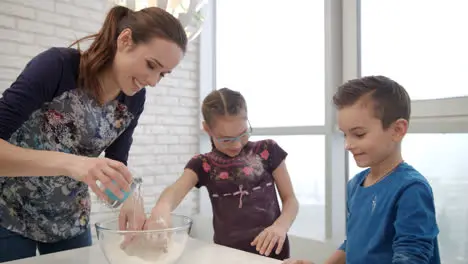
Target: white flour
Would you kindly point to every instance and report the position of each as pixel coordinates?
(144, 251)
(139, 252)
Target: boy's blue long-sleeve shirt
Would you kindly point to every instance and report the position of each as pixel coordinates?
(392, 221)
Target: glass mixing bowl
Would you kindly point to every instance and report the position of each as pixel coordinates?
(158, 246)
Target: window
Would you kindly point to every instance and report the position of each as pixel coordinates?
(441, 159)
(274, 55)
(419, 43)
(289, 88)
(140, 4)
(307, 170)
(278, 65)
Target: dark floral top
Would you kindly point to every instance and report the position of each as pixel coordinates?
(242, 192)
(44, 110)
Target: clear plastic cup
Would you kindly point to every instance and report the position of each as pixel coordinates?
(114, 201)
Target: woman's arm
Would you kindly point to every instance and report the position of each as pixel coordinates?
(16, 161)
(37, 84)
(120, 148)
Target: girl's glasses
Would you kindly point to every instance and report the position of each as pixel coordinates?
(242, 138)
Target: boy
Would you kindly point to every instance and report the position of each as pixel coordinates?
(391, 216)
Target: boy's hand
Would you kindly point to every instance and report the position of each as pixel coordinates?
(268, 238)
(296, 261)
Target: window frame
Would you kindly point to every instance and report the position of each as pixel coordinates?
(342, 63)
(443, 115)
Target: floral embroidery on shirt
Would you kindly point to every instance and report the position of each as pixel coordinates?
(241, 189)
(247, 171)
(224, 175)
(206, 166)
(50, 209)
(265, 154)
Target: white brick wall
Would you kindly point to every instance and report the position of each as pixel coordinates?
(167, 135)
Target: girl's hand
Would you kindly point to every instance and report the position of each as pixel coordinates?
(268, 238)
(295, 261)
(113, 175)
(159, 220)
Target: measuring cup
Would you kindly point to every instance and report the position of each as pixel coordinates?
(115, 201)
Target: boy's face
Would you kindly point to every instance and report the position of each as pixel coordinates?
(365, 137)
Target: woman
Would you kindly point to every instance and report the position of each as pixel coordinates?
(67, 107)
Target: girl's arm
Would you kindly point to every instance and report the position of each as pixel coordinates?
(288, 198)
(171, 197)
(275, 235)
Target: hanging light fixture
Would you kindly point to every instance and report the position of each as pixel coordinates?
(191, 13)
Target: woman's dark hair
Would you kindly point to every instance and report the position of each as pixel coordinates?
(145, 24)
(222, 102)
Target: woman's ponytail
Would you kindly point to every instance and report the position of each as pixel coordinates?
(101, 52)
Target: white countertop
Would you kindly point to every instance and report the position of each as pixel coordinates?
(196, 252)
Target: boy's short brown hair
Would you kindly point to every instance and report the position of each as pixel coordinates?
(390, 100)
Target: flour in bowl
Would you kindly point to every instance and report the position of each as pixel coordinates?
(139, 252)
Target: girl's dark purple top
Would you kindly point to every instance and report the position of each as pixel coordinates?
(242, 192)
(44, 110)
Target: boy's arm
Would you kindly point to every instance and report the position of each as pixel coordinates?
(339, 257)
(415, 226)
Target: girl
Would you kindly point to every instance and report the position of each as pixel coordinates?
(241, 177)
(64, 109)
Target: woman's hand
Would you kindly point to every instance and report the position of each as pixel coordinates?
(132, 217)
(268, 238)
(132, 213)
(113, 175)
